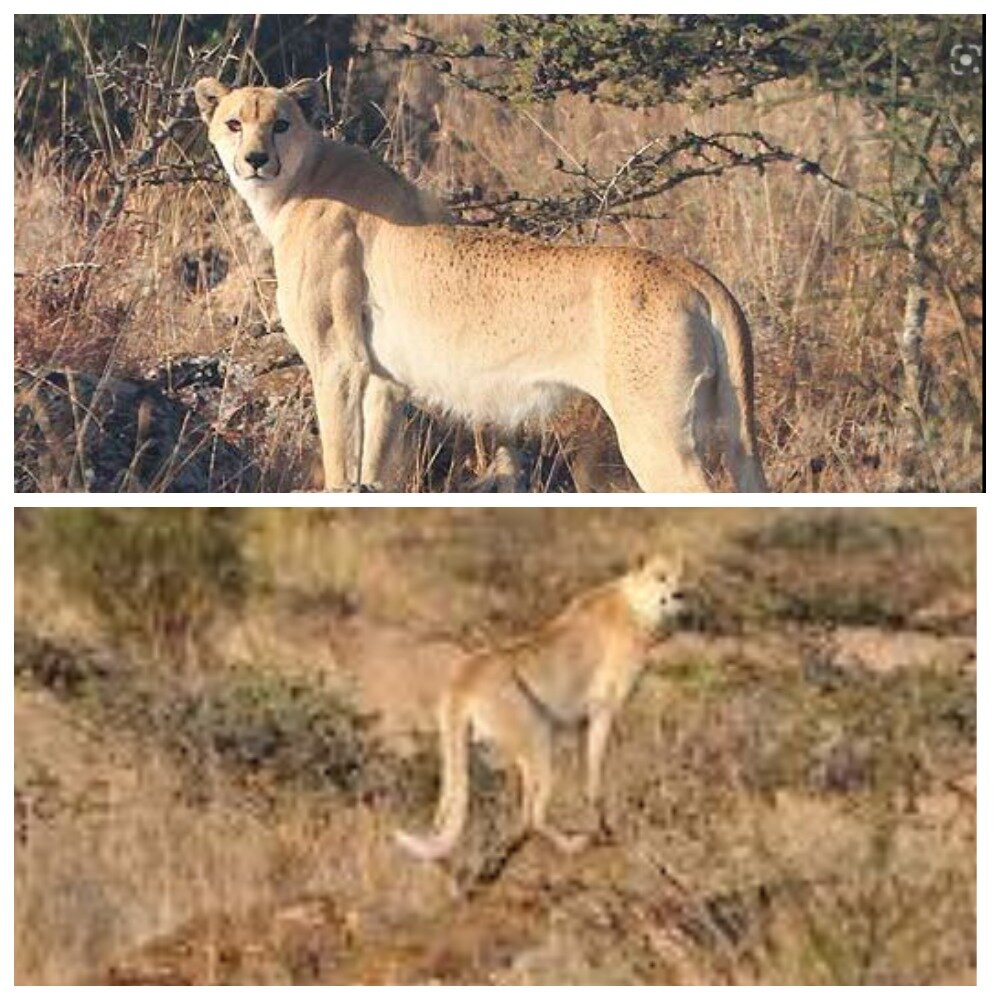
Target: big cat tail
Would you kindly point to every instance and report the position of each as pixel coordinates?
(454, 798)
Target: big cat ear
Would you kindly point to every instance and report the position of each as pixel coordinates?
(308, 94)
(207, 93)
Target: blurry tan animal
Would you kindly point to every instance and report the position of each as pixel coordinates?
(384, 302)
(577, 669)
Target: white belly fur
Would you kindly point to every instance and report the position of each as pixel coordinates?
(466, 385)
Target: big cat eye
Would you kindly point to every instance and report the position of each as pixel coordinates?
(233, 125)
(281, 125)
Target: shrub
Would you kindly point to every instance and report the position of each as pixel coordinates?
(267, 732)
(152, 576)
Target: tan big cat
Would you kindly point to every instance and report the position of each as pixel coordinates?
(576, 670)
(385, 300)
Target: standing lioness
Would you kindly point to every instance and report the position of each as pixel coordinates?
(577, 669)
(382, 302)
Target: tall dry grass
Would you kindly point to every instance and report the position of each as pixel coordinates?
(821, 284)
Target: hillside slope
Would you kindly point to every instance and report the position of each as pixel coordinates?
(792, 790)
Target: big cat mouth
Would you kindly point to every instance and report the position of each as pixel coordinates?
(256, 176)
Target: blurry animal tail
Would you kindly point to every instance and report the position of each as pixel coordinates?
(453, 802)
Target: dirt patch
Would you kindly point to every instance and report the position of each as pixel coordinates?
(882, 651)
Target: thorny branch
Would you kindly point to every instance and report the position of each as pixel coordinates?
(138, 89)
(652, 170)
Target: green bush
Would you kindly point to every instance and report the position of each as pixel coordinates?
(153, 576)
(265, 731)
(824, 568)
(829, 533)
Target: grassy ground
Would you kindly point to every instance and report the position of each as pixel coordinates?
(182, 272)
(793, 788)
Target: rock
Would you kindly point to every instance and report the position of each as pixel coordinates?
(82, 433)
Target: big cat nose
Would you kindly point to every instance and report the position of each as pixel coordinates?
(256, 159)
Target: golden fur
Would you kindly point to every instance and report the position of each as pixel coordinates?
(385, 300)
(577, 669)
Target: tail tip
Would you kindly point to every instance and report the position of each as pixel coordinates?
(424, 850)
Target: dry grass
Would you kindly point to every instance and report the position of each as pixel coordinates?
(793, 790)
(822, 287)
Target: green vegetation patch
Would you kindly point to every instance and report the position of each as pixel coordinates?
(154, 577)
(819, 729)
(262, 729)
(827, 568)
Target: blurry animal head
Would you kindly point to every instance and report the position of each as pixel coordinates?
(656, 592)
